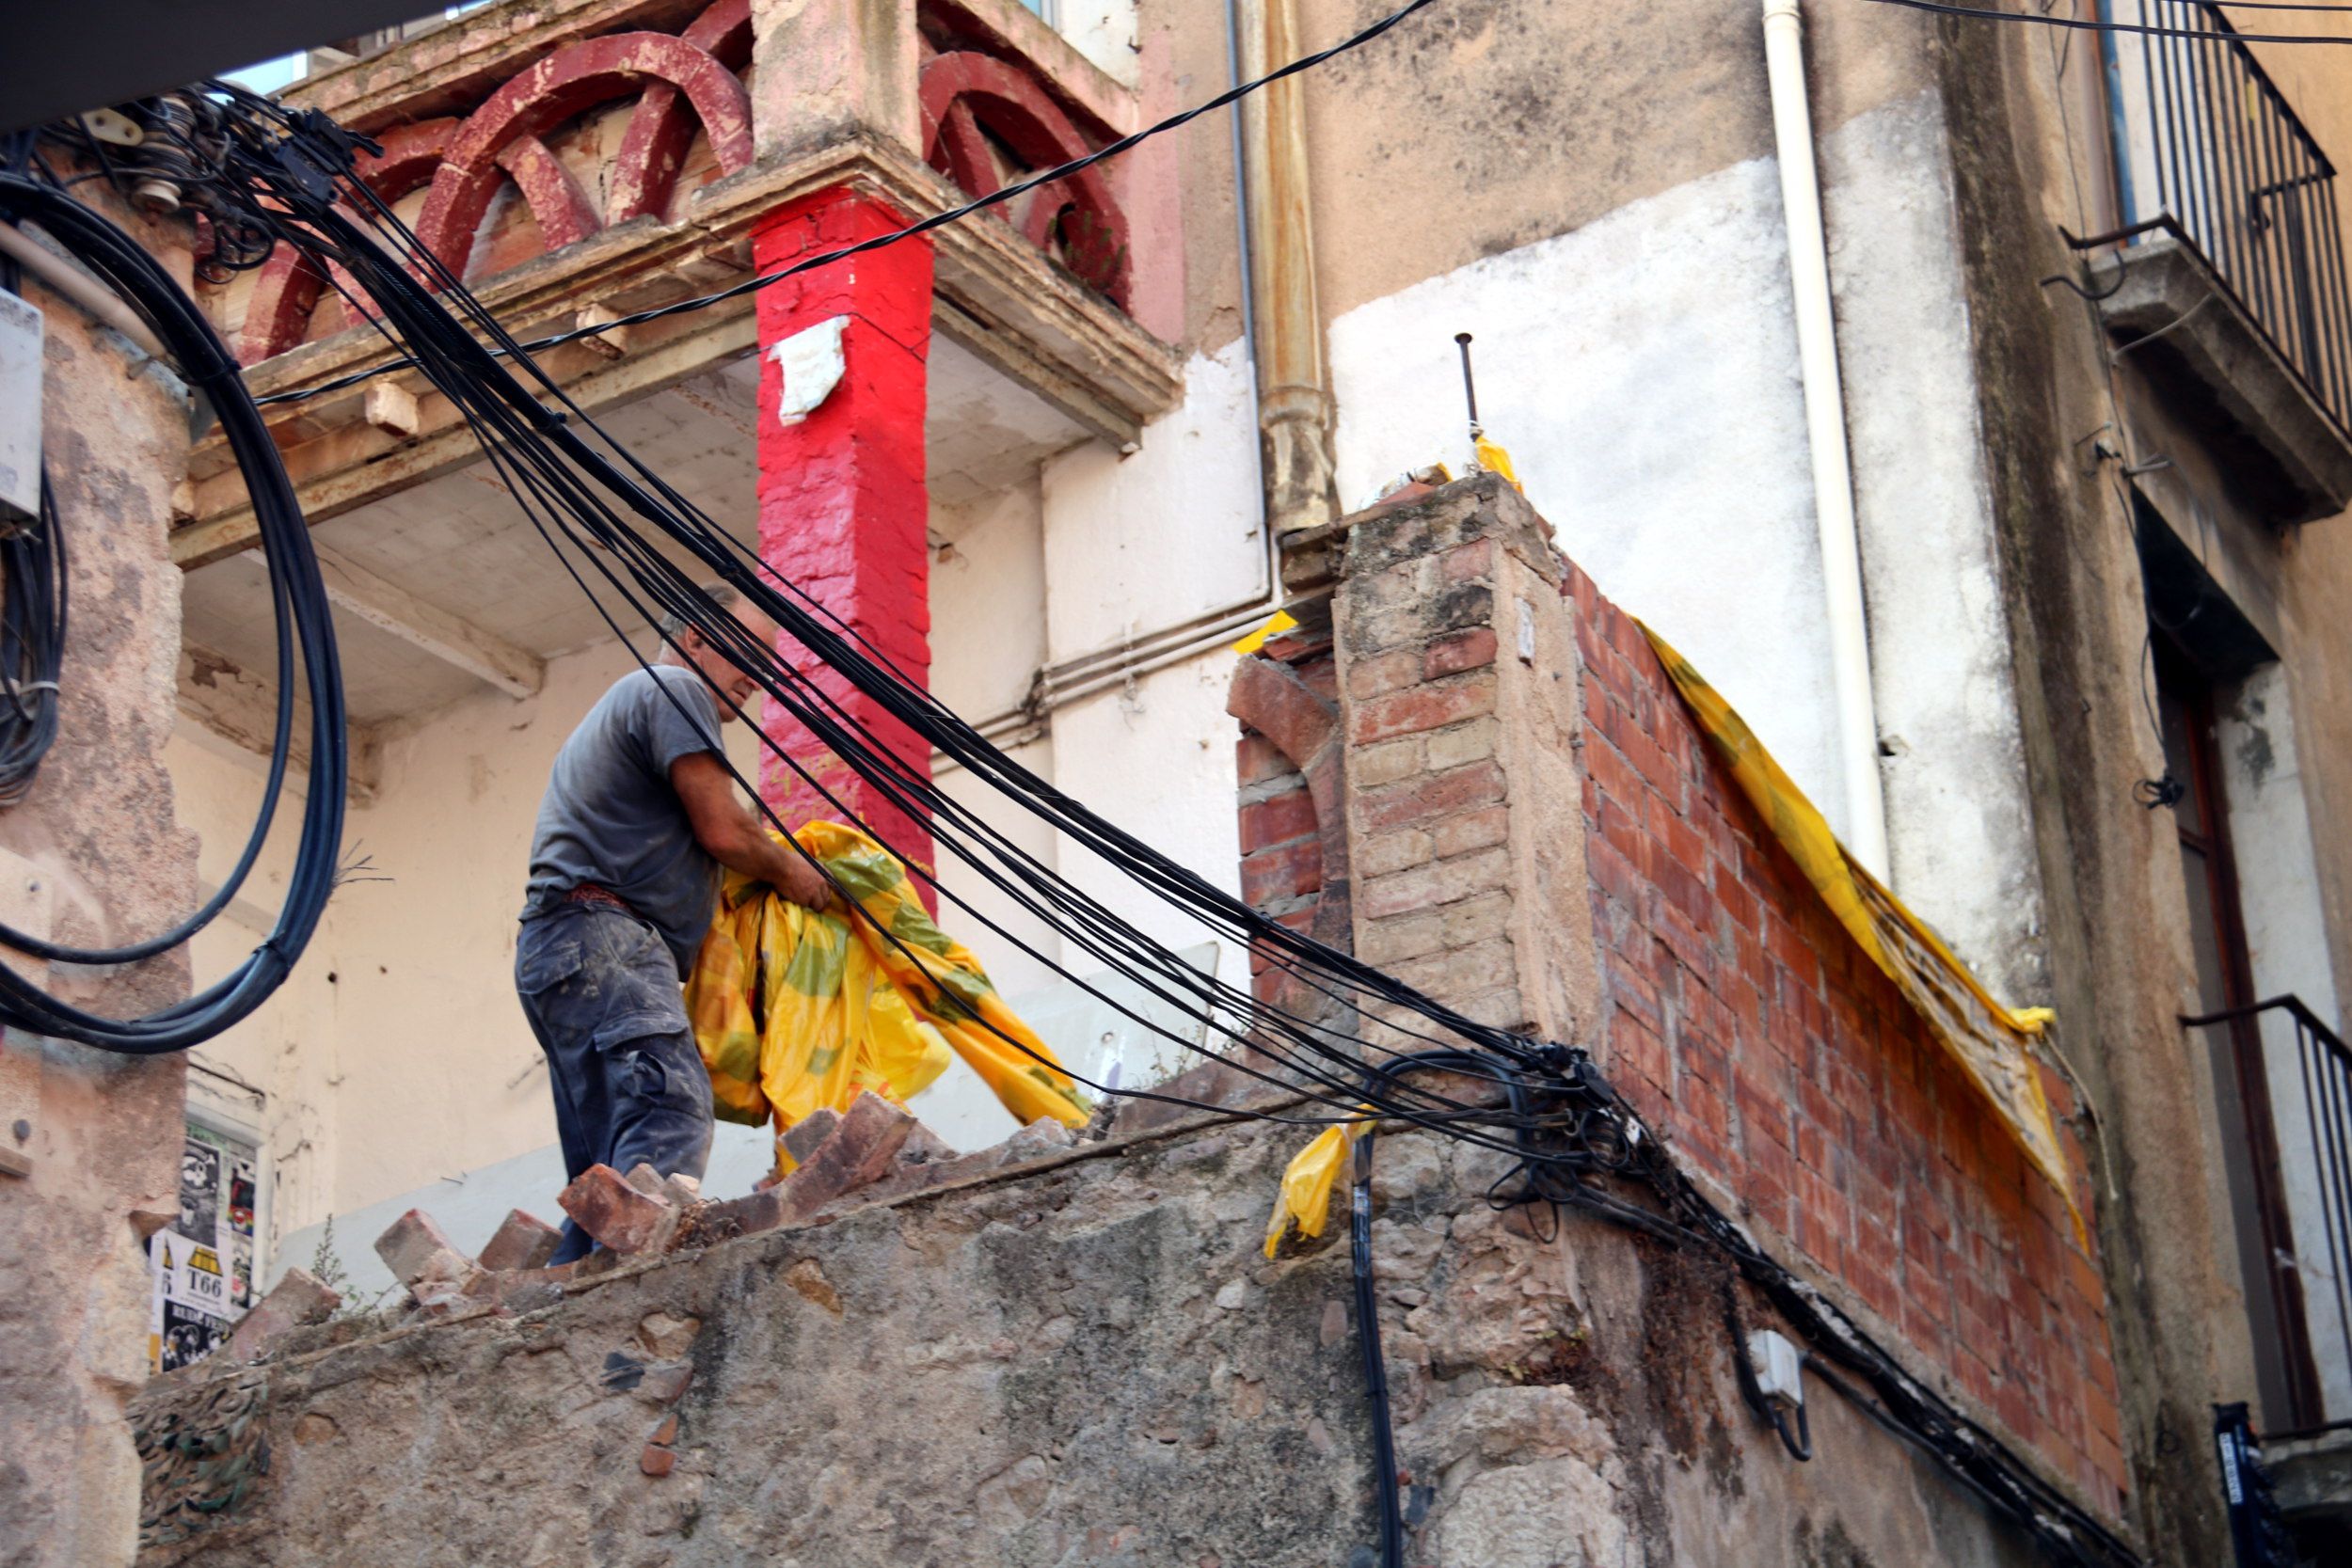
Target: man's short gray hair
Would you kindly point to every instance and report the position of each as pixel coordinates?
(672, 626)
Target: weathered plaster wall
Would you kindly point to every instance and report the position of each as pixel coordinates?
(1091, 1364)
(95, 854)
(1642, 370)
(2115, 907)
(2286, 942)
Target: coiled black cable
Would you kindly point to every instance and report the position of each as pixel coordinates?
(303, 628)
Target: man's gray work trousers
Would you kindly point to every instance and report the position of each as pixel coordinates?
(602, 992)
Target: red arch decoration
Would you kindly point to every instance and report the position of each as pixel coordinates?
(964, 94)
(659, 130)
(287, 289)
(569, 81)
(684, 81)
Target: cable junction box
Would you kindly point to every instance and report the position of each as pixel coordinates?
(20, 409)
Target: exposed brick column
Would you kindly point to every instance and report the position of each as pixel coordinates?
(1459, 687)
(1293, 819)
(843, 507)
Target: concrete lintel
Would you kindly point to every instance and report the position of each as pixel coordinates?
(238, 707)
(486, 656)
(2166, 288)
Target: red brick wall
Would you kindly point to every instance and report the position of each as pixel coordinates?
(1742, 1020)
(1293, 839)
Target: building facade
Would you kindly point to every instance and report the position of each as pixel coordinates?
(1969, 401)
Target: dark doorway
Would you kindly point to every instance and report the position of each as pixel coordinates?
(2287, 1377)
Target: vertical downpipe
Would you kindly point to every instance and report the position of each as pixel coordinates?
(1825, 430)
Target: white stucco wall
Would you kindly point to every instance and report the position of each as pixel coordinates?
(1952, 763)
(2286, 942)
(1641, 371)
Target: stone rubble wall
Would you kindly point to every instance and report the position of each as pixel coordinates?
(1084, 1361)
(94, 855)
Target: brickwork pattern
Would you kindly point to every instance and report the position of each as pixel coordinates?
(1293, 836)
(1497, 709)
(1743, 1021)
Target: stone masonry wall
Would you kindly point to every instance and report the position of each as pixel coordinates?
(1490, 681)
(94, 856)
(1084, 1362)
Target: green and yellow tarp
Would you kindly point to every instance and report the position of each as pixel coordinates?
(796, 1009)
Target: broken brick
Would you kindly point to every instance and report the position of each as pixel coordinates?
(522, 1242)
(802, 1138)
(657, 1462)
(681, 1192)
(619, 1216)
(300, 1298)
(859, 1152)
(924, 1147)
(415, 1248)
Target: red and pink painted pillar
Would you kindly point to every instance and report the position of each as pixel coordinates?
(844, 510)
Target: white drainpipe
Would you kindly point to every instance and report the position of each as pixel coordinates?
(1825, 427)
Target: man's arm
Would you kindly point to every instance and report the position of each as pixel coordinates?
(731, 836)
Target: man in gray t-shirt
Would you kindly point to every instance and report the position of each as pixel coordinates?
(639, 817)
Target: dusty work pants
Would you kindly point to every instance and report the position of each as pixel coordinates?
(602, 992)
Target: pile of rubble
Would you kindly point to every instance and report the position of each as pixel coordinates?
(872, 1153)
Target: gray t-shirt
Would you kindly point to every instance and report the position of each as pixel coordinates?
(612, 817)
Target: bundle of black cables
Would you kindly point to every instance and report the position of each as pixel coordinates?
(32, 645)
(35, 637)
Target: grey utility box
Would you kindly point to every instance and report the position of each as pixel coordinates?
(20, 409)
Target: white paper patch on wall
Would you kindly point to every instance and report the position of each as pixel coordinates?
(811, 362)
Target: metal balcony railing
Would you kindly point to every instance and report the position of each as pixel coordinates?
(2209, 148)
(2308, 1212)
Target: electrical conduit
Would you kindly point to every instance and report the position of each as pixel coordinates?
(1825, 430)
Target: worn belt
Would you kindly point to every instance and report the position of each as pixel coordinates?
(588, 893)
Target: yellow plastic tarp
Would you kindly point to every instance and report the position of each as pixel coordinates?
(1303, 1206)
(795, 1010)
(1992, 1045)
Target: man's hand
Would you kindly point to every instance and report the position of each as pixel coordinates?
(731, 836)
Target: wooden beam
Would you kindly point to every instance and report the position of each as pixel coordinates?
(375, 465)
(239, 708)
(483, 655)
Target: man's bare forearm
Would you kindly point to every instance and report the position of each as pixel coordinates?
(748, 850)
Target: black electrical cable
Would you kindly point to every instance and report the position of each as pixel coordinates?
(304, 625)
(2144, 29)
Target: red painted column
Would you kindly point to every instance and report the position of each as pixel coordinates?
(844, 512)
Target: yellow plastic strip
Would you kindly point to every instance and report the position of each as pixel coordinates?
(1991, 1044)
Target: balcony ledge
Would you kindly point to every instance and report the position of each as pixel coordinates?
(2241, 379)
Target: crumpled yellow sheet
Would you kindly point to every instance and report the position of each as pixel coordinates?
(1304, 1208)
(1992, 1045)
(795, 1010)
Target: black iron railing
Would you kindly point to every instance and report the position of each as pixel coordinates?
(2205, 138)
(2311, 1140)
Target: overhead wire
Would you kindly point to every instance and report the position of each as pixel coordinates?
(923, 225)
(2141, 29)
